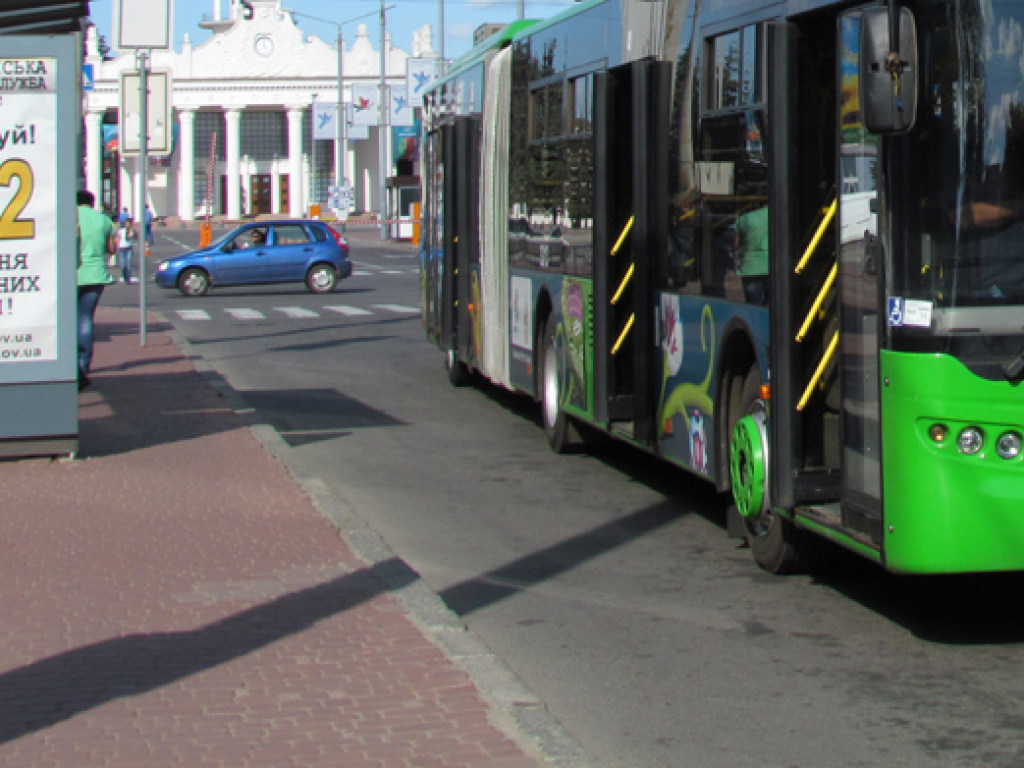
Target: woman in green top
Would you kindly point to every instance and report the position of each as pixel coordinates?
(96, 241)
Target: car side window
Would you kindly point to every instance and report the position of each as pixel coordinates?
(250, 238)
(290, 234)
(318, 234)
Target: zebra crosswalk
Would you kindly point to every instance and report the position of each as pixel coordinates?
(241, 313)
(350, 311)
(297, 313)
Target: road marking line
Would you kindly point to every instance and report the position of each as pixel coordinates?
(246, 314)
(185, 247)
(297, 313)
(349, 311)
(193, 314)
(361, 273)
(397, 308)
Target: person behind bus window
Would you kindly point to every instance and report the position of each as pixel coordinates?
(752, 254)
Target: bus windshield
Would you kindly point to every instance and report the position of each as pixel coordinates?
(964, 193)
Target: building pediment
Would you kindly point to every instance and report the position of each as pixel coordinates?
(268, 46)
(265, 60)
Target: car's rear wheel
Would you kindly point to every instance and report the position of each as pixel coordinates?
(194, 282)
(321, 278)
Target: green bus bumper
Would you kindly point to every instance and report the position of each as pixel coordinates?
(947, 512)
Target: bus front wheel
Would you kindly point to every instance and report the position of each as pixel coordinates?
(772, 538)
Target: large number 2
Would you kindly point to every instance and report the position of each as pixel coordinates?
(11, 227)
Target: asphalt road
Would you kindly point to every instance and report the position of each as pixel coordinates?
(605, 580)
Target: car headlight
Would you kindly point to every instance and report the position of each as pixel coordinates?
(162, 266)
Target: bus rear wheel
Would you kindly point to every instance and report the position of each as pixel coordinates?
(458, 371)
(556, 423)
(773, 539)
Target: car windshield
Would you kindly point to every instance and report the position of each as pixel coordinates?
(219, 242)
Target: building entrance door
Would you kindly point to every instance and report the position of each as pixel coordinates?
(285, 203)
(259, 193)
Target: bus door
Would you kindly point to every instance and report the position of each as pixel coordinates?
(460, 146)
(825, 325)
(631, 110)
(802, 102)
(860, 327)
(432, 248)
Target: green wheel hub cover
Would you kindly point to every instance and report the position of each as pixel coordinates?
(747, 465)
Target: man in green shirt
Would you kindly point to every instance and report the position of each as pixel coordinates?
(96, 241)
(752, 252)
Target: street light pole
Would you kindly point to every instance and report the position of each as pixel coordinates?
(142, 61)
(341, 117)
(384, 102)
(312, 151)
(341, 138)
(440, 35)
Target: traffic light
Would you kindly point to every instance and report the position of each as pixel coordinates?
(246, 9)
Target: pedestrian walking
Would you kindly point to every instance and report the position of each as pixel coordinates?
(96, 241)
(147, 226)
(125, 249)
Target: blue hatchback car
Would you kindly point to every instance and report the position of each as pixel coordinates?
(287, 251)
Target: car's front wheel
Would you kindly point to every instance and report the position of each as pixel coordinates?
(321, 278)
(194, 282)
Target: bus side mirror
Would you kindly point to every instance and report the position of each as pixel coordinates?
(888, 74)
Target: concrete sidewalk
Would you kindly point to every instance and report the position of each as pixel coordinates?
(178, 596)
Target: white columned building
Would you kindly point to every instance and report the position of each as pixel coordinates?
(233, 149)
(94, 151)
(186, 163)
(245, 93)
(295, 158)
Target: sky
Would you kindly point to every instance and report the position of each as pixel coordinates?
(461, 17)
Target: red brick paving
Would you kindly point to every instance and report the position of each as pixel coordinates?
(172, 597)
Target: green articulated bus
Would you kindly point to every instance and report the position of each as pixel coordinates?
(777, 244)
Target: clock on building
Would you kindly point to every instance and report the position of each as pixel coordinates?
(263, 45)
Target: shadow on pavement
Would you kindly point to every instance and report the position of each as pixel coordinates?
(122, 413)
(55, 689)
(525, 572)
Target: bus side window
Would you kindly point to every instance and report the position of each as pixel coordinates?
(732, 169)
(735, 206)
(680, 269)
